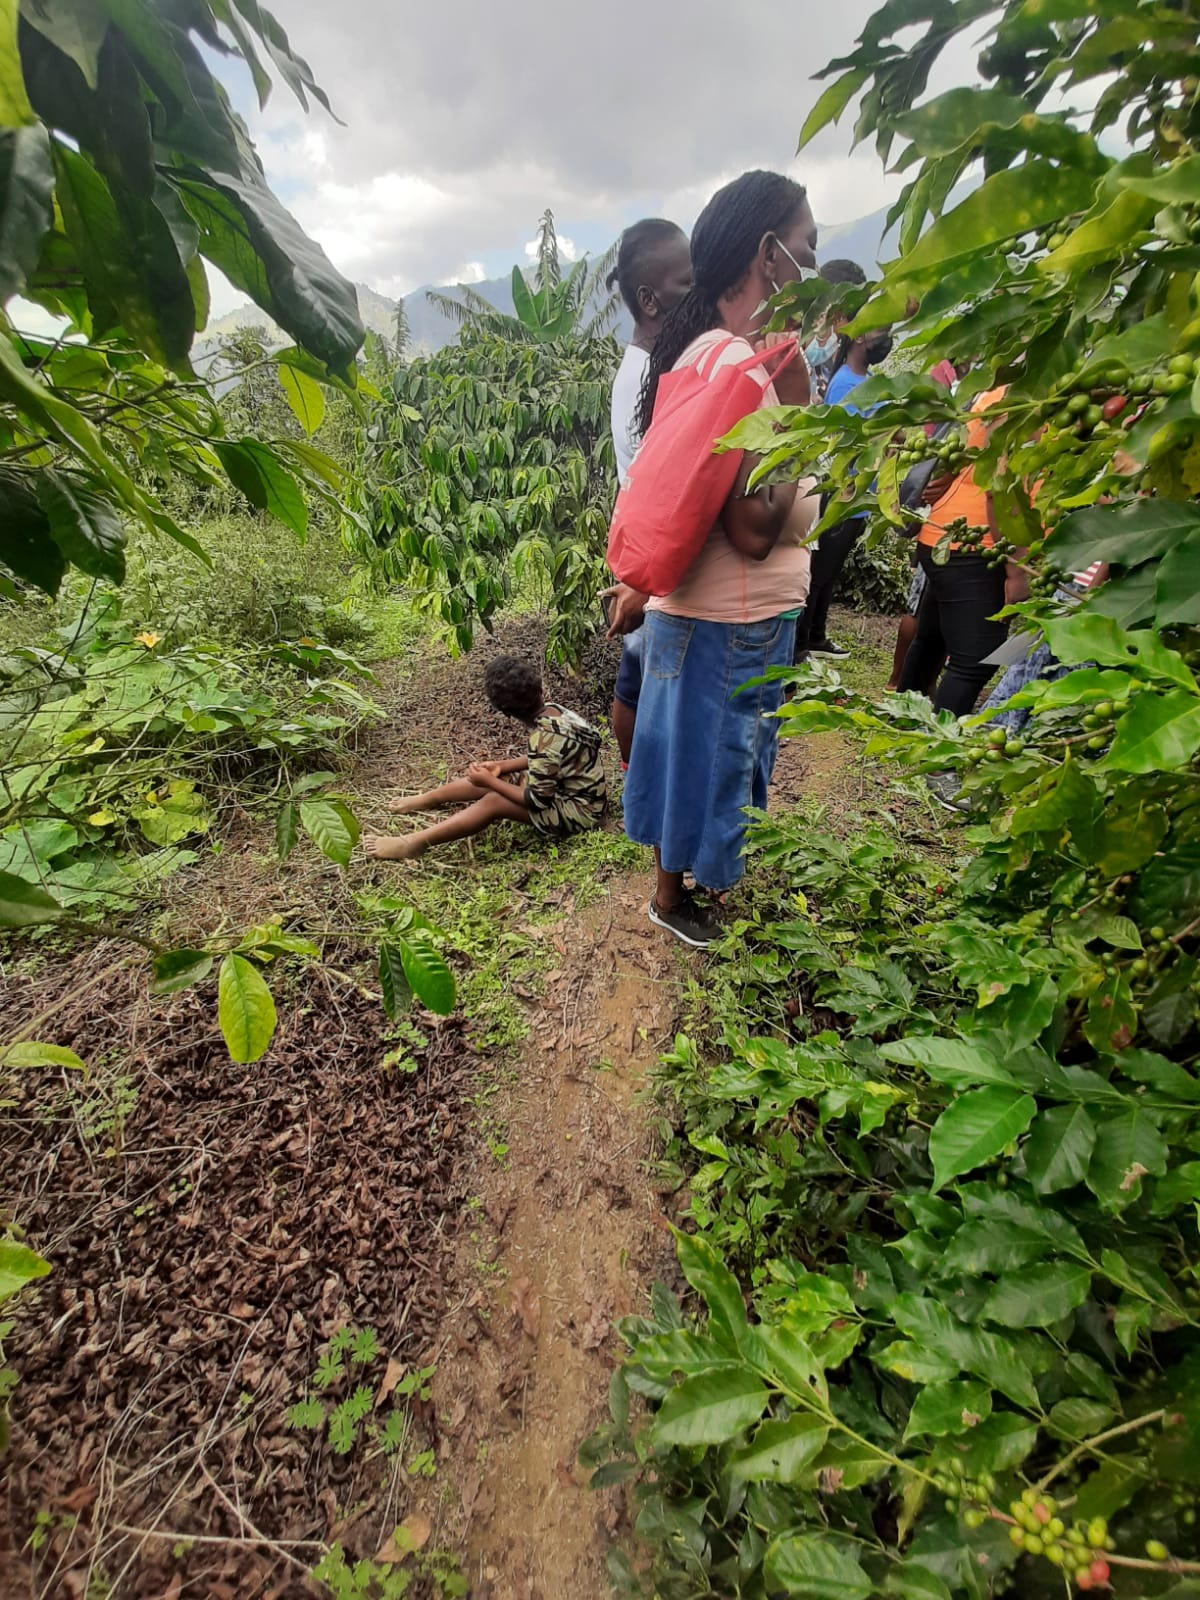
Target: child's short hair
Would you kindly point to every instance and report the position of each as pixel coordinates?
(514, 686)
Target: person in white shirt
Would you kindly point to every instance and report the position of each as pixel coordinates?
(653, 272)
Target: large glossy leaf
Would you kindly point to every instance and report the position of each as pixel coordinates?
(975, 1127)
(22, 904)
(1098, 238)
(397, 992)
(954, 1062)
(1128, 534)
(332, 827)
(1085, 637)
(950, 1408)
(986, 1355)
(712, 1280)
(26, 202)
(959, 117)
(1169, 886)
(987, 1245)
(287, 830)
(1157, 734)
(813, 1567)
(256, 470)
(33, 1053)
(263, 251)
(135, 278)
(26, 546)
(179, 969)
(1059, 1148)
(429, 977)
(1177, 588)
(1128, 1148)
(19, 1265)
(1038, 1296)
(245, 1010)
(304, 395)
(711, 1408)
(779, 1451)
(15, 110)
(85, 526)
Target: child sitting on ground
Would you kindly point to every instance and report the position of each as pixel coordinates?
(564, 790)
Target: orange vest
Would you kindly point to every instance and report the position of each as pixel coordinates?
(964, 498)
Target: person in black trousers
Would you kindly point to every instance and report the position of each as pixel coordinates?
(956, 623)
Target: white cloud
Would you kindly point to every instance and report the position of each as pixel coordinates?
(456, 139)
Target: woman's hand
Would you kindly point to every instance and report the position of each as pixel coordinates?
(794, 384)
(628, 609)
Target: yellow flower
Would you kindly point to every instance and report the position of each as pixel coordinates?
(149, 639)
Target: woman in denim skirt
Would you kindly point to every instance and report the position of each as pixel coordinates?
(705, 745)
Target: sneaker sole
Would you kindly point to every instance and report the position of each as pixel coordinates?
(659, 922)
(835, 655)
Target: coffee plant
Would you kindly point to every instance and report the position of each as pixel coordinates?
(487, 471)
(941, 1121)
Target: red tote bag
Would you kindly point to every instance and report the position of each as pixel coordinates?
(677, 484)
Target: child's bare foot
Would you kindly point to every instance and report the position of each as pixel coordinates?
(405, 805)
(386, 847)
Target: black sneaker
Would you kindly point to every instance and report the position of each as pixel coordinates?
(943, 788)
(689, 920)
(826, 647)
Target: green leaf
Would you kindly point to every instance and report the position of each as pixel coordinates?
(711, 1408)
(26, 199)
(1059, 1148)
(912, 1581)
(1179, 184)
(26, 546)
(30, 1053)
(1128, 1148)
(957, 118)
(287, 830)
(1037, 1296)
(179, 969)
(1169, 1009)
(954, 1062)
(1177, 590)
(256, 470)
(430, 979)
(949, 1408)
(716, 1285)
(1129, 534)
(332, 827)
(1086, 637)
(306, 398)
(975, 1127)
(1014, 201)
(1098, 238)
(245, 1010)
(973, 1350)
(832, 102)
(22, 904)
(1077, 1419)
(18, 1266)
(1169, 885)
(984, 1245)
(779, 1451)
(395, 986)
(812, 1567)
(262, 250)
(1157, 734)
(84, 525)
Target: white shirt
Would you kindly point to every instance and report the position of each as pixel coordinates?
(626, 392)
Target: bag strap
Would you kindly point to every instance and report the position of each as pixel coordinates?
(707, 361)
(786, 354)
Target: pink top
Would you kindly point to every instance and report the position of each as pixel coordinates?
(722, 585)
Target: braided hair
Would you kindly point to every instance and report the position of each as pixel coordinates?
(725, 242)
(842, 271)
(638, 243)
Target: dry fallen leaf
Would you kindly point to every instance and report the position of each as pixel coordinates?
(391, 1377)
(412, 1534)
(525, 1305)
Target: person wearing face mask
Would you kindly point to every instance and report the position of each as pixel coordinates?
(703, 749)
(653, 272)
(822, 349)
(855, 358)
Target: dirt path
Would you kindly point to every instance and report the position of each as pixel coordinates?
(572, 1238)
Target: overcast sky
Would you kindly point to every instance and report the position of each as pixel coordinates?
(463, 121)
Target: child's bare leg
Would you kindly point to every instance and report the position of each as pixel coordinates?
(460, 792)
(492, 807)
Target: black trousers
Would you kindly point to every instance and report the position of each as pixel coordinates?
(956, 620)
(828, 559)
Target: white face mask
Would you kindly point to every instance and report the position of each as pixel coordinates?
(803, 274)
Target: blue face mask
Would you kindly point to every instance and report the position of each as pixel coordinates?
(817, 353)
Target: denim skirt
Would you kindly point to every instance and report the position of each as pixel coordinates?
(702, 752)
